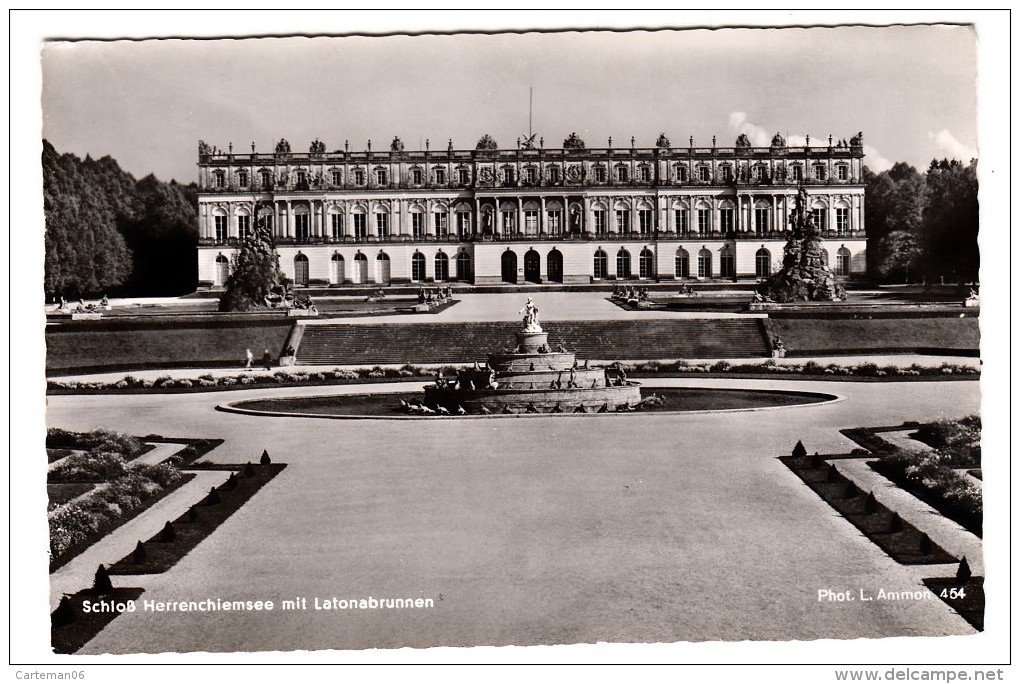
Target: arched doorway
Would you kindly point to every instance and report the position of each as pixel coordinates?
(554, 266)
(417, 267)
(442, 267)
(222, 271)
(301, 270)
(623, 264)
(646, 264)
(762, 263)
(382, 269)
(336, 269)
(600, 265)
(532, 267)
(509, 266)
(464, 267)
(360, 274)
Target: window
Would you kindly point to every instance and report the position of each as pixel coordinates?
(416, 176)
(645, 221)
(219, 179)
(796, 173)
(818, 216)
(336, 178)
(301, 226)
(843, 172)
(646, 264)
(761, 220)
(622, 174)
(600, 221)
(843, 262)
(531, 174)
(382, 225)
(463, 223)
(442, 223)
(301, 178)
(680, 216)
(682, 264)
(600, 174)
(336, 226)
(819, 172)
(704, 219)
(842, 220)
(463, 177)
(762, 263)
(727, 266)
(381, 176)
(760, 173)
(440, 175)
(553, 221)
(266, 179)
(360, 226)
(645, 174)
(726, 173)
(704, 175)
(601, 265)
(509, 222)
(726, 220)
(221, 227)
(242, 179)
(442, 267)
(418, 224)
(554, 174)
(508, 175)
(359, 176)
(622, 221)
(681, 173)
(463, 266)
(418, 267)
(623, 264)
(531, 223)
(704, 264)
(244, 226)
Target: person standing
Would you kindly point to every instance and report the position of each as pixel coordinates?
(249, 359)
(267, 360)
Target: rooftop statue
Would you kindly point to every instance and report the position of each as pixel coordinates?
(662, 142)
(397, 145)
(203, 148)
(573, 142)
(857, 140)
(778, 141)
(317, 147)
(283, 147)
(743, 140)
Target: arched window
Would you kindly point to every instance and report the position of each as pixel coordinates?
(382, 268)
(623, 263)
(762, 263)
(843, 261)
(601, 265)
(222, 271)
(360, 274)
(646, 264)
(336, 269)
(682, 264)
(442, 267)
(464, 266)
(418, 228)
(704, 263)
(300, 269)
(418, 267)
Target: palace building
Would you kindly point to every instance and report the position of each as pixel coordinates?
(567, 215)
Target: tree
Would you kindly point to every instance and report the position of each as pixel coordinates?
(894, 201)
(951, 222)
(254, 272)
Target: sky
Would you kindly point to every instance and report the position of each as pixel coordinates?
(910, 89)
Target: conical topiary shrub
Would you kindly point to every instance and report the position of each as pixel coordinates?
(249, 470)
(816, 460)
(963, 573)
(896, 523)
(169, 534)
(102, 584)
(798, 450)
(925, 546)
(65, 613)
(231, 481)
(832, 475)
(193, 514)
(850, 491)
(265, 458)
(139, 554)
(213, 498)
(871, 503)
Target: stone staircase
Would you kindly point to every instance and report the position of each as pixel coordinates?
(360, 344)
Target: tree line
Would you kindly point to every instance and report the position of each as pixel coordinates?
(923, 228)
(107, 233)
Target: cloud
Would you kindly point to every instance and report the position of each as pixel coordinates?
(875, 161)
(950, 146)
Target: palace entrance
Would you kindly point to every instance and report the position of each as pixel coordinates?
(554, 266)
(532, 267)
(509, 266)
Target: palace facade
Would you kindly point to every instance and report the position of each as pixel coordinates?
(567, 215)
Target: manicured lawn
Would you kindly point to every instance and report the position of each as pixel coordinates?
(808, 336)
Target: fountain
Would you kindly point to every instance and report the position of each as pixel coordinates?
(532, 378)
